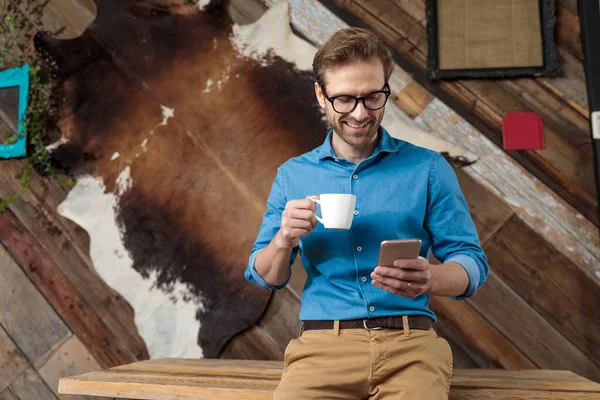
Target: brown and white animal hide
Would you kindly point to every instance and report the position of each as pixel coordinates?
(174, 121)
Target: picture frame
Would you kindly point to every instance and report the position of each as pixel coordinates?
(550, 66)
(16, 77)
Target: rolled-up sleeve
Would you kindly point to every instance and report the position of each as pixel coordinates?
(449, 222)
(268, 229)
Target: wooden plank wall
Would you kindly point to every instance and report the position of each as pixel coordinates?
(537, 310)
(566, 164)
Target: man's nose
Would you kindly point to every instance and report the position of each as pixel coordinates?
(360, 112)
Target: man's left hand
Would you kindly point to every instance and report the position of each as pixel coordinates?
(407, 278)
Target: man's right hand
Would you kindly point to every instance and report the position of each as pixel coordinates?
(297, 220)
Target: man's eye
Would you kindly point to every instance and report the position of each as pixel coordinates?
(345, 99)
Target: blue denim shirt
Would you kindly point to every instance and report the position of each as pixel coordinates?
(402, 192)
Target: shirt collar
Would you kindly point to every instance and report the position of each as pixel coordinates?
(386, 144)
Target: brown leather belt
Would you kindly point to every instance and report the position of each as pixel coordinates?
(420, 322)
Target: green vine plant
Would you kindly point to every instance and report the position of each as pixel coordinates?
(16, 49)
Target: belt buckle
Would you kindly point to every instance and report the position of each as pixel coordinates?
(370, 329)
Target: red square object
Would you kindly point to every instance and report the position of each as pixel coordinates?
(523, 131)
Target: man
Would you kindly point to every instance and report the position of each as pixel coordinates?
(367, 330)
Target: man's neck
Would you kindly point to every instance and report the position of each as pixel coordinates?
(353, 154)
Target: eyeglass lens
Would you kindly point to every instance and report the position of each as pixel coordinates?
(374, 101)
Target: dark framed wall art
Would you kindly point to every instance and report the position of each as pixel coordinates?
(491, 38)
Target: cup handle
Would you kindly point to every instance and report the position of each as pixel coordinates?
(318, 202)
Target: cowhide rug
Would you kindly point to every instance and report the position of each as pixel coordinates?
(174, 121)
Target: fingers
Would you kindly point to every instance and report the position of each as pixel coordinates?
(395, 287)
(302, 204)
(297, 220)
(303, 214)
(398, 284)
(294, 233)
(418, 265)
(417, 276)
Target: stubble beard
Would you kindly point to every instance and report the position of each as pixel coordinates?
(361, 141)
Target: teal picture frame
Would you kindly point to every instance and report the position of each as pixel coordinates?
(16, 77)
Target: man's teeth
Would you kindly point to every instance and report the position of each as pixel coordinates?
(356, 126)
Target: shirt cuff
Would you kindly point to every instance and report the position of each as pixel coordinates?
(255, 277)
(472, 269)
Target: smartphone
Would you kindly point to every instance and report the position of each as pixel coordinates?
(390, 250)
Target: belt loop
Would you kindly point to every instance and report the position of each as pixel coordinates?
(336, 327)
(405, 325)
(301, 330)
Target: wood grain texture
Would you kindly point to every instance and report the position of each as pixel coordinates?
(64, 19)
(563, 158)
(414, 8)
(67, 247)
(558, 116)
(298, 278)
(499, 394)
(570, 4)
(570, 86)
(212, 379)
(413, 99)
(70, 359)
(567, 32)
(551, 284)
(67, 299)
(280, 320)
(23, 36)
(471, 325)
(252, 344)
(25, 314)
(464, 353)
(541, 342)
(9, 112)
(489, 213)
(549, 380)
(233, 368)
(12, 361)
(29, 386)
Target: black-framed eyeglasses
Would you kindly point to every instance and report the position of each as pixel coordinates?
(345, 103)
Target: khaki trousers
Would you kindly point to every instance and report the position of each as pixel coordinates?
(366, 364)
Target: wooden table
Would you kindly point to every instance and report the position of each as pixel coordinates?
(167, 379)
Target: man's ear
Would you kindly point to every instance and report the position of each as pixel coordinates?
(319, 94)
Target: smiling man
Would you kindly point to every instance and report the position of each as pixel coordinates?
(368, 331)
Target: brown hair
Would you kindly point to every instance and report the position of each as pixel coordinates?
(350, 45)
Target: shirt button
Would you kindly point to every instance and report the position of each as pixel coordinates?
(364, 279)
(359, 248)
(355, 212)
(355, 176)
(336, 160)
(371, 308)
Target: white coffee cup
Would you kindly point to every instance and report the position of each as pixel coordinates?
(337, 210)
